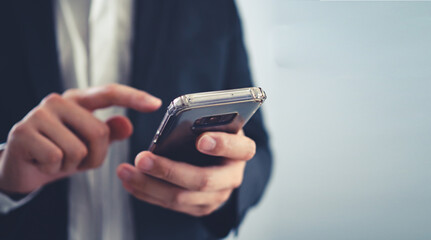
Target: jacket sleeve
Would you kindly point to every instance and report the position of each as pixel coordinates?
(258, 169)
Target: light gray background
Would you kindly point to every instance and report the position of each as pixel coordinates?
(349, 112)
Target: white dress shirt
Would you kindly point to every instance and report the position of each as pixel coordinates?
(94, 42)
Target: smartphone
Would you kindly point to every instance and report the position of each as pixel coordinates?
(192, 114)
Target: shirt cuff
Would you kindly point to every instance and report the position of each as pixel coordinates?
(7, 204)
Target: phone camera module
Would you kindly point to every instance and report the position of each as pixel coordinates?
(214, 120)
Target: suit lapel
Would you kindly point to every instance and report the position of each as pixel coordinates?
(150, 28)
(150, 23)
(39, 34)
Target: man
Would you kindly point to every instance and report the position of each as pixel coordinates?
(55, 182)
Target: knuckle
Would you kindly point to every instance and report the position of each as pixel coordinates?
(100, 131)
(168, 173)
(52, 98)
(177, 199)
(70, 92)
(78, 153)
(19, 129)
(205, 181)
(110, 89)
(144, 185)
(54, 156)
(165, 203)
(82, 152)
(40, 114)
(103, 131)
(251, 151)
(139, 185)
(111, 86)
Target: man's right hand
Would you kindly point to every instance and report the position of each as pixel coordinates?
(60, 136)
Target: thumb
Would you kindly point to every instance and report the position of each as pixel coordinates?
(120, 128)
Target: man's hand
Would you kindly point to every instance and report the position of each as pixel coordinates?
(61, 136)
(182, 187)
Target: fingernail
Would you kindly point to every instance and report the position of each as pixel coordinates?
(145, 164)
(207, 143)
(125, 174)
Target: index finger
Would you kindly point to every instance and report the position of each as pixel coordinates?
(114, 95)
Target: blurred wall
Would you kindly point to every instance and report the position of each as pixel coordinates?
(349, 111)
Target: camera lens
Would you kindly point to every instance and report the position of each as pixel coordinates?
(214, 120)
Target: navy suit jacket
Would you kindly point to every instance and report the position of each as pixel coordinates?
(179, 47)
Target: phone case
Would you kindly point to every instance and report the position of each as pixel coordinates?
(190, 115)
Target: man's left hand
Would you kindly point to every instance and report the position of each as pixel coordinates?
(197, 191)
